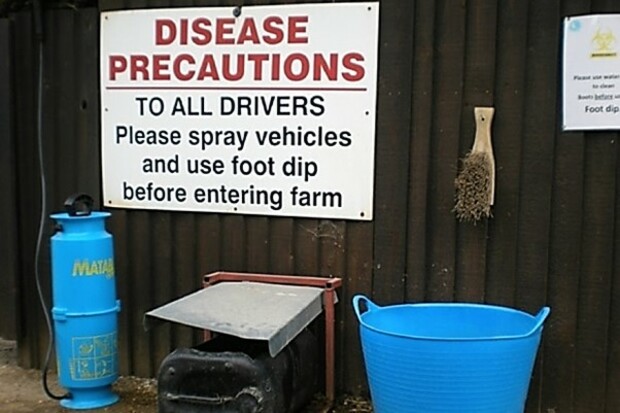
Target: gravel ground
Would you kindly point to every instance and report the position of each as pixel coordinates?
(21, 392)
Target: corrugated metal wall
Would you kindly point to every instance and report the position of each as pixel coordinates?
(554, 237)
(8, 246)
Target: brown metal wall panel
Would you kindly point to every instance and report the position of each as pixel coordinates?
(356, 280)
(185, 276)
(558, 379)
(420, 149)
(164, 276)
(140, 224)
(564, 268)
(86, 104)
(600, 165)
(107, 5)
(507, 132)
(447, 107)
(24, 70)
(281, 247)
(597, 260)
(333, 264)
(63, 105)
(392, 146)
(307, 235)
(540, 123)
(333, 249)
(479, 77)
(8, 208)
(257, 244)
(52, 123)
(118, 224)
(209, 250)
(233, 243)
(208, 259)
(612, 402)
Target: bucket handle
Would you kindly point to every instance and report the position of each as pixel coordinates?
(370, 306)
(540, 318)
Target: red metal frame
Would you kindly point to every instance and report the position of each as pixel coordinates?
(328, 285)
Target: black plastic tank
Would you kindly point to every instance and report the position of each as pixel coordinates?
(232, 375)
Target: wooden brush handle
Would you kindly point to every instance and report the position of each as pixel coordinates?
(482, 141)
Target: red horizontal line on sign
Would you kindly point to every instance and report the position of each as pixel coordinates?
(243, 88)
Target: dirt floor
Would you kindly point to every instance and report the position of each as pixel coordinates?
(21, 391)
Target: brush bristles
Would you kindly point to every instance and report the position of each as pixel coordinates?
(473, 187)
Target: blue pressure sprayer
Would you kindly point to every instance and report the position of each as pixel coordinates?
(85, 308)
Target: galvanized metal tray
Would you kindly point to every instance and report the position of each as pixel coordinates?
(250, 310)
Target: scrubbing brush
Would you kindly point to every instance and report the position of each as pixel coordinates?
(475, 183)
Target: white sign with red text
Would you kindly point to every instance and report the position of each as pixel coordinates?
(266, 110)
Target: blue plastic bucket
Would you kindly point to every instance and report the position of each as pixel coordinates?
(448, 357)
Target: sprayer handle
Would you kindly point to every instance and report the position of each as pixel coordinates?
(370, 306)
(79, 204)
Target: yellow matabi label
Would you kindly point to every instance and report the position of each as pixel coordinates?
(90, 268)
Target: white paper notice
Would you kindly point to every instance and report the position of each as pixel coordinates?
(591, 72)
